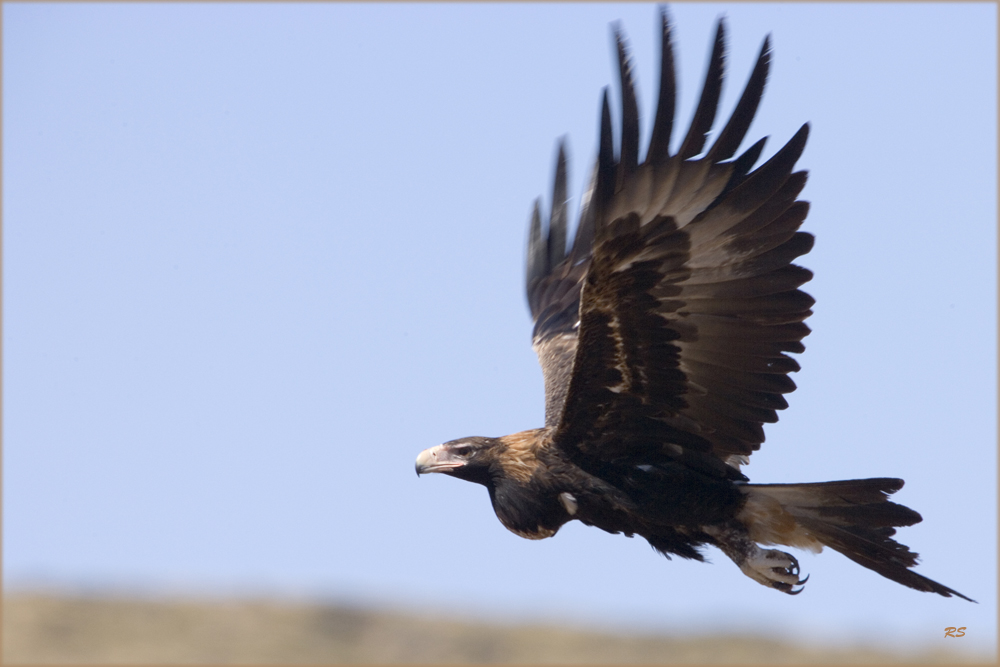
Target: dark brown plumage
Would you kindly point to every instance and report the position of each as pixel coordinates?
(663, 335)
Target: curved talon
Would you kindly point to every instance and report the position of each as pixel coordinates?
(774, 569)
(787, 588)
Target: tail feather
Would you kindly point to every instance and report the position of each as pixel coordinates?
(854, 517)
(875, 549)
(880, 515)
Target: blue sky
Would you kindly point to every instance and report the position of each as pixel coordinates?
(257, 257)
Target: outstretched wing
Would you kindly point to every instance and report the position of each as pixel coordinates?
(690, 302)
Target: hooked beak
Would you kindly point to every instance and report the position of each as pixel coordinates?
(437, 459)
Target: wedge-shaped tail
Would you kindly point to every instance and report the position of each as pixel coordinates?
(854, 517)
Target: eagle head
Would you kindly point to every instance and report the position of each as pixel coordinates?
(470, 459)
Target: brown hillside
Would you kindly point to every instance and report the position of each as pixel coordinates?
(45, 628)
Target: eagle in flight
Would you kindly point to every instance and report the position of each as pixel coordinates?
(663, 334)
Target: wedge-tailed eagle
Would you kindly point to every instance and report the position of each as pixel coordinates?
(663, 334)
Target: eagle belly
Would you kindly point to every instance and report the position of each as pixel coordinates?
(668, 505)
